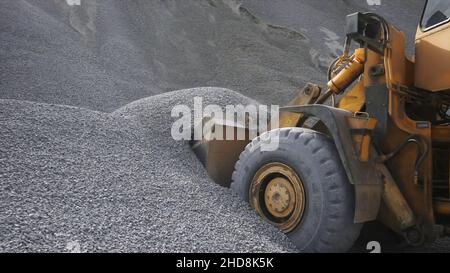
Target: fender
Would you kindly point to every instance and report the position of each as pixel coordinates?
(363, 175)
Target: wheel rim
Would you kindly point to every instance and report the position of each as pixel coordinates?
(278, 195)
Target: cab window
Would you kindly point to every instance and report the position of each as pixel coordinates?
(436, 13)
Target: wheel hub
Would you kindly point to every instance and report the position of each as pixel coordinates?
(277, 194)
(278, 197)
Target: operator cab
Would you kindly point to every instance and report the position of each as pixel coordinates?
(432, 68)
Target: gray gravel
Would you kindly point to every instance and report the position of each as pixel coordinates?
(106, 53)
(116, 182)
(86, 162)
(323, 21)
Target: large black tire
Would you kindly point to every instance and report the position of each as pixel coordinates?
(327, 222)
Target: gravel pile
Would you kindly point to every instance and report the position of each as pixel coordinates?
(116, 182)
(323, 22)
(87, 164)
(106, 53)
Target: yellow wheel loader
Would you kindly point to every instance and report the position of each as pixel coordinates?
(373, 145)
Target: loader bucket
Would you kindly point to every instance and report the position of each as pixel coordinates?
(220, 155)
